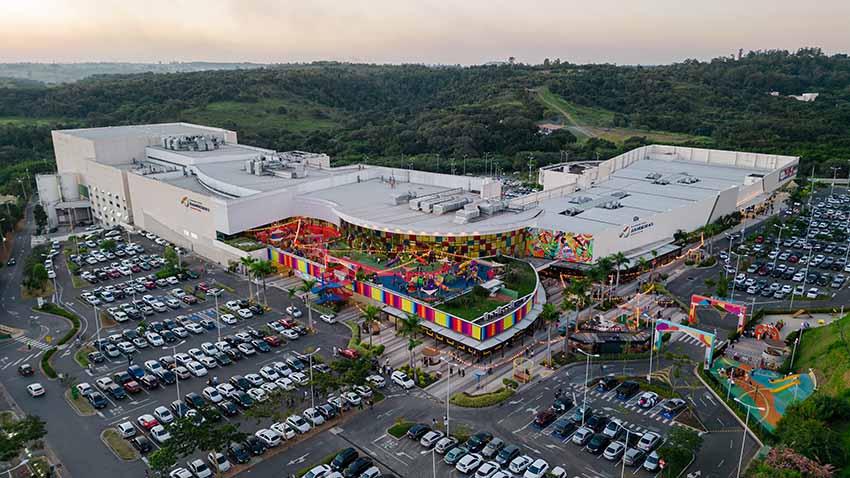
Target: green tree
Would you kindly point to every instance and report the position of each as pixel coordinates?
(410, 328)
(40, 216)
(36, 277)
(619, 260)
(172, 261)
(17, 435)
(247, 263)
(109, 245)
(808, 428)
(721, 289)
(576, 296)
(549, 315)
(263, 269)
(370, 316)
(681, 445)
(162, 460)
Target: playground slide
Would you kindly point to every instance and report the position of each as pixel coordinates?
(393, 261)
(790, 384)
(783, 379)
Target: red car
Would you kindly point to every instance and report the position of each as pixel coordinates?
(136, 269)
(349, 354)
(132, 387)
(272, 340)
(204, 286)
(190, 299)
(286, 322)
(148, 421)
(114, 274)
(150, 284)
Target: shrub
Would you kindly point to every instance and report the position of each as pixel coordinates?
(45, 363)
(464, 399)
(51, 308)
(510, 383)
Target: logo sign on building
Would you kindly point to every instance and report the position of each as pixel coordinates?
(788, 172)
(194, 205)
(633, 229)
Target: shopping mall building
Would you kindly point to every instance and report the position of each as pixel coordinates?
(199, 188)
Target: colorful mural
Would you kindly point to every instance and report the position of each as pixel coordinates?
(295, 263)
(707, 339)
(443, 319)
(558, 245)
(510, 243)
(737, 309)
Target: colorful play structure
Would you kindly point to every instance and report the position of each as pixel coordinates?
(767, 329)
(738, 310)
(766, 389)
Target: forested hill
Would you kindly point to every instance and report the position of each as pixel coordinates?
(379, 113)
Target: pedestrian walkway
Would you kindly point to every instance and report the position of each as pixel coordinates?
(23, 339)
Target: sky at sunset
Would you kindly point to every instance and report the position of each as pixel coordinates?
(421, 31)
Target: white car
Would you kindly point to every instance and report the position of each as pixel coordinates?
(270, 437)
(290, 334)
(298, 423)
(431, 438)
(285, 383)
(258, 394)
(212, 394)
(154, 367)
(196, 369)
(163, 415)
(126, 429)
(371, 472)
(487, 470)
(228, 319)
(232, 305)
(648, 400)
(225, 389)
(35, 389)
(321, 471)
(293, 311)
(269, 373)
(537, 469)
(180, 472)
(270, 387)
(196, 353)
(469, 463)
(194, 328)
(445, 444)
(352, 398)
(377, 381)
(244, 313)
(219, 461)
(283, 430)
(328, 318)
(84, 389)
(312, 416)
(209, 348)
(160, 434)
(299, 378)
(208, 362)
(254, 379)
(520, 464)
(200, 469)
(400, 378)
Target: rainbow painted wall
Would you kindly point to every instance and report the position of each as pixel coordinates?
(406, 304)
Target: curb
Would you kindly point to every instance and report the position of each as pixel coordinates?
(79, 412)
(109, 447)
(729, 409)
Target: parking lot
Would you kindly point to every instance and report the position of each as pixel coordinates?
(158, 354)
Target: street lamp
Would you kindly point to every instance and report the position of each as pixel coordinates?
(176, 375)
(217, 318)
(312, 394)
(97, 322)
(809, 254)
(781, 228)
(746, 427)
(834, 171)
(448, 391)
(586, 379)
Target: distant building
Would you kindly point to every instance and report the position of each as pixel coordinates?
(807, 97)
(548, 128)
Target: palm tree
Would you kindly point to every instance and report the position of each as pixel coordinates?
(606, 265)
(577, 294)
(263, 269)
(247, 262)
(410, 328)
(370, 316)
(550, 315)
(291, 293)
(619, 259)
(307, 286)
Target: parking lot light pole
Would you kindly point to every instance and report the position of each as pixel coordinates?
(746, 428)
(97, 325)
(737, 265)
(625, 449)
(217, 318)
(586, 379)
(794, 352)
(448, 391)
(808, 257)
(176, 376)
(312, 394)
(778, 243)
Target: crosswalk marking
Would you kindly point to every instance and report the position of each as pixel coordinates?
(31, 342)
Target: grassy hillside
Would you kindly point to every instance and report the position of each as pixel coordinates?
(827, 351)
(587, 122)
(265, 113)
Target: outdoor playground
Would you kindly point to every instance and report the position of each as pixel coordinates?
(446, 280)
(763, 388)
